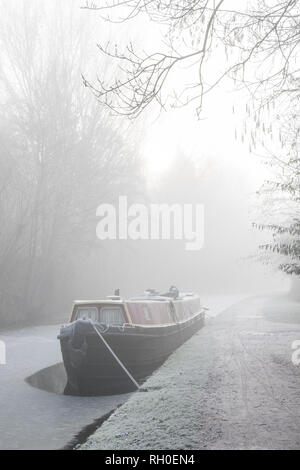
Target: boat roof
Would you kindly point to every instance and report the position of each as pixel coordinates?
(101, 301)
(139, 298)
(148, 298)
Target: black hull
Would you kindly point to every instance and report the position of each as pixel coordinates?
(92, 369)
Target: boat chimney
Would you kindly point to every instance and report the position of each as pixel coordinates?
(116, 295)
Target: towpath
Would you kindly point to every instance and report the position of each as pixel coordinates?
(31, 418)
(233, 385)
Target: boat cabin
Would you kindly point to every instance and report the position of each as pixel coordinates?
(143, 310)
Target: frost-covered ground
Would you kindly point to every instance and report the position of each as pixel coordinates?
(35, 419)
(232, 385)
(32, 418)
(218, 303)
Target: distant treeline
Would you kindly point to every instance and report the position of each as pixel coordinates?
(60, 156)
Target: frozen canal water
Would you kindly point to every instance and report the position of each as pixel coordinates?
(35, 419)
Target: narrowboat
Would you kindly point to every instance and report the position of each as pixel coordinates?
(110, 346)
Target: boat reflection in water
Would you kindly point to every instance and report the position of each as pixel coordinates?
(110, 345)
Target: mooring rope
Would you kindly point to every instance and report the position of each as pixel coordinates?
(115, 356)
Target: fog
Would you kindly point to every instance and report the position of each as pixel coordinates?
(63, 154)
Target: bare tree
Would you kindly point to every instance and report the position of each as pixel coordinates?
(61, 156)
(280, 196)
(256, 43)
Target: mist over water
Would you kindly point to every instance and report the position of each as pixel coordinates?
(149, 226)
(62, 155)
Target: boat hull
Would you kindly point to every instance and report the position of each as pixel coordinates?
(93, 370)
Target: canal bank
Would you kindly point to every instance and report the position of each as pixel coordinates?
(233, 385)
(34, 414)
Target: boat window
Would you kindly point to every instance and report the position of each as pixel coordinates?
(87, 313)
(170, 314)
(111, 316)
(146, 313)
(173, 312)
